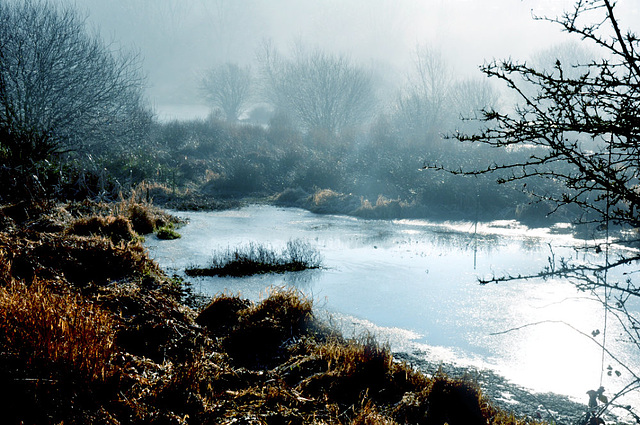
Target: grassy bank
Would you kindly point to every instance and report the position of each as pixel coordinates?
(93, 332)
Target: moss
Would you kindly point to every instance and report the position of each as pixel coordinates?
(167, 233)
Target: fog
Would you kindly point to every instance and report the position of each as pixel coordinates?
(179, 39)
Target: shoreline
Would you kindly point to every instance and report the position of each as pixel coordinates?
(548, 406)
(160, 356)
(506, 394)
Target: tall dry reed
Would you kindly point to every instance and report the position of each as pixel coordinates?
(54, 331)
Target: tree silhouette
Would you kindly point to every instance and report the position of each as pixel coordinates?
(321, 91)
(580, 124)
(62, 88)
(227, 87)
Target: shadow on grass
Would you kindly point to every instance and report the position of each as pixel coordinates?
(259, 259)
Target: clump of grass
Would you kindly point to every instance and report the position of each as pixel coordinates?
(383, 208)
(56, 332)
(117, 228)
(327, 201)
(257, 259)
(256, 334)
(259, 338)
(456, 401)
(350, 369)
(354, 356)
(167, 232)
(323, 196)
(142, 219)
(222, 313)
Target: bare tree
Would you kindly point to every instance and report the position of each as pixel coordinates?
(468, 98)
(227, 87)
(62, 88)
(580, 122)
(323, 92)
(422, 104)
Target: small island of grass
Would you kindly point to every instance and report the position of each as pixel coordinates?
(254, 259)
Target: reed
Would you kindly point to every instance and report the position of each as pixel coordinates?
(61, 333)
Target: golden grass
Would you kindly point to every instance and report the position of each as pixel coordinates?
(347, 358)
(288, 307)
(322, 196)
(64, 331)
(6, 276)
(369, 415)
(117, 228)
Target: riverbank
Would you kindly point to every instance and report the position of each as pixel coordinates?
(551, 407)
(94, 332)
(328, 201)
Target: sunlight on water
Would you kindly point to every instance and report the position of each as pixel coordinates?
(414, 284)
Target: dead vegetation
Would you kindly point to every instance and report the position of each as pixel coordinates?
(60, 331)
(91, 331)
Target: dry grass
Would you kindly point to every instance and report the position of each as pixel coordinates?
(222, 314)
(287, 307)
(347, 358)
(6, 276)
(260, 338)
(369, 415)
(383, 208)
(56, 331)
(350, 370)
(116, 228)
(323, 196)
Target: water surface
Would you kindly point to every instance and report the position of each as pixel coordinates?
(415, 284)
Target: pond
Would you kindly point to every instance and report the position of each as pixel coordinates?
(415, 285)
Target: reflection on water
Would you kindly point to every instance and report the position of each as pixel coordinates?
(417, 281)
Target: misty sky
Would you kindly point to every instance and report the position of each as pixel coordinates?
(180, 38)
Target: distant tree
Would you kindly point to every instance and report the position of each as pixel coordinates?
(228, 88)
(468, 98)
(421, 105)
(62, 88)
(572, 55)
(580, 124)
(321, 91)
